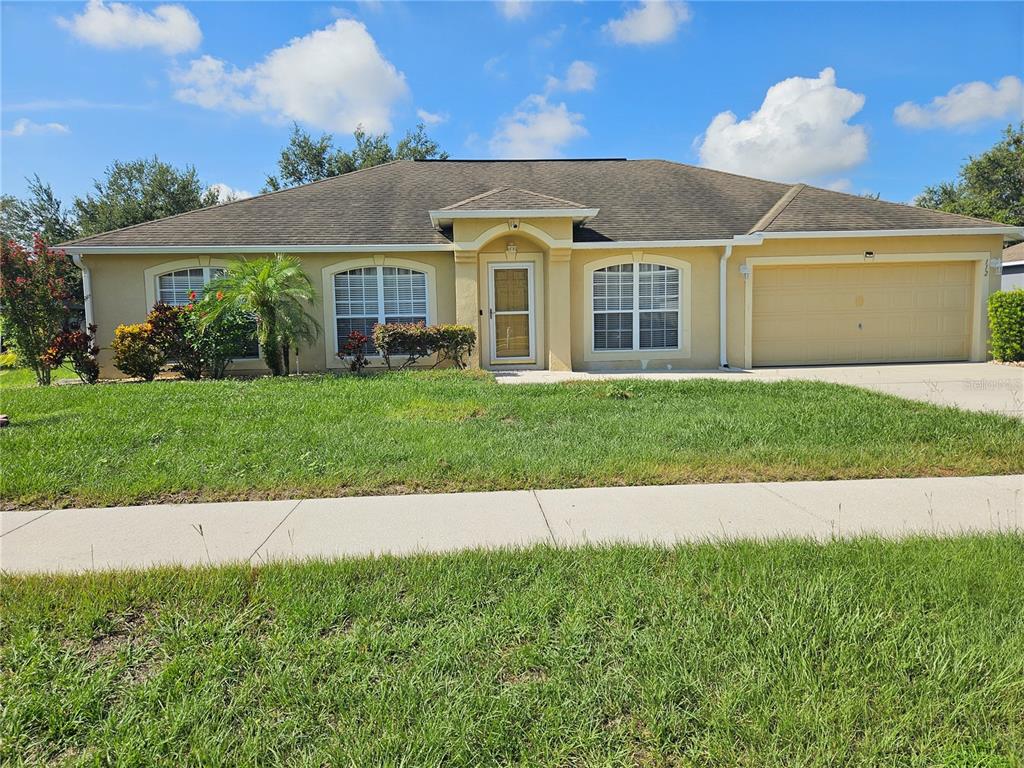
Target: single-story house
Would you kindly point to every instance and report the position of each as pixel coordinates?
(1013, 267)
(593, 264)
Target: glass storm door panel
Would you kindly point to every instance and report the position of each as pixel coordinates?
(511, 312)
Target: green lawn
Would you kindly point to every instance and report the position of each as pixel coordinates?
(26, 377)
(232, 439)
(861, 653)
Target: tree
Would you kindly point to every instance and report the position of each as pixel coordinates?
(306, 159)
(34, 301)
(275, 291)
(138, 191)
(989, 186)
(40, 213)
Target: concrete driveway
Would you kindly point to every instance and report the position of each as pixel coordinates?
(973, 386)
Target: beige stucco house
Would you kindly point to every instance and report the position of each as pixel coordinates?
(586, 265)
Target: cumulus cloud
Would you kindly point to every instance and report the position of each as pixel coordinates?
(432, 118)
(25, 127)
(171, 28)
(226, 193)
(514, 9)
(965, 104)
(801, 131)
(334, 78)
(580, 76)
(653, 21)
(537, 128)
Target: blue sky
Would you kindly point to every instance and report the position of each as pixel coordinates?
(876, 97)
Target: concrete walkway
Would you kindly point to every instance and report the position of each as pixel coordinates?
(261, 531)
(972, 386)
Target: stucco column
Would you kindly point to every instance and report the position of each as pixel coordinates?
(558, 311)
(467, 298)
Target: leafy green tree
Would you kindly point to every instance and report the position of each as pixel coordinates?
(989, 186)
(308, 159)
(275, 290)
(40, 213)
(138, 191)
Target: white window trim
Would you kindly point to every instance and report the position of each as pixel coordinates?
(152, 276)
(684, 349)
(330, 319)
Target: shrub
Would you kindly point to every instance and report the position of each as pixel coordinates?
(412, 340)
(80, 347)
(169, 326)
(8, 360)
(195, 347)
(355, 347)
(451, 343)
(220, 339)
(135, 352)
(1006, 321)
(35, 299)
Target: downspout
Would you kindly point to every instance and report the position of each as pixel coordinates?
(723, 355)
(86, 289)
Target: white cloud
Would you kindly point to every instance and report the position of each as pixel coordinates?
(580, 76)
(653, 21)
(226, 193)
(171, 28)
(801, 131)
(840, 185)
(514, 9)
(432, 118)
(334, 78)
(25, 127)
(965, 104)
(537, 128)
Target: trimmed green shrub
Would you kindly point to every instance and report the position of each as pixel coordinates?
(453, 343)
(135, 352)
(1006, 322)
(450, 343)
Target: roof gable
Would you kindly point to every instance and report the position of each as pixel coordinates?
(512, 198)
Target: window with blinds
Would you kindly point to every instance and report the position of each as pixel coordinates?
(366, 296)
(636, 307)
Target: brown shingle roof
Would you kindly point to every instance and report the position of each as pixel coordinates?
(511, 198)
(638, 200)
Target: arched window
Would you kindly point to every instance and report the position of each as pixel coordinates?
(175, 287)
(366, 296)
(636, 307)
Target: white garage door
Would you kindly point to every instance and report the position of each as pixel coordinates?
(862, 313)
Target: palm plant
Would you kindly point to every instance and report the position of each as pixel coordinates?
(275, 291)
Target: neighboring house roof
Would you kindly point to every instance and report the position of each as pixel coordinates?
(1013, 253)
(505, 198)
(637, 200)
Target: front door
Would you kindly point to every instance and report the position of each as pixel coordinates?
(511, 313)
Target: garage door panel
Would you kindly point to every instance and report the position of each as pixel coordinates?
(862, 313)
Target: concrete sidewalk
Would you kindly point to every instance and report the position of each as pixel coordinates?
(260, 531)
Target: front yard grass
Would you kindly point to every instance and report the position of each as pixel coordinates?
(852, 653)
(451, 431)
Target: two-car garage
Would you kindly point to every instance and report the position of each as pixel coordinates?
(835, 313)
